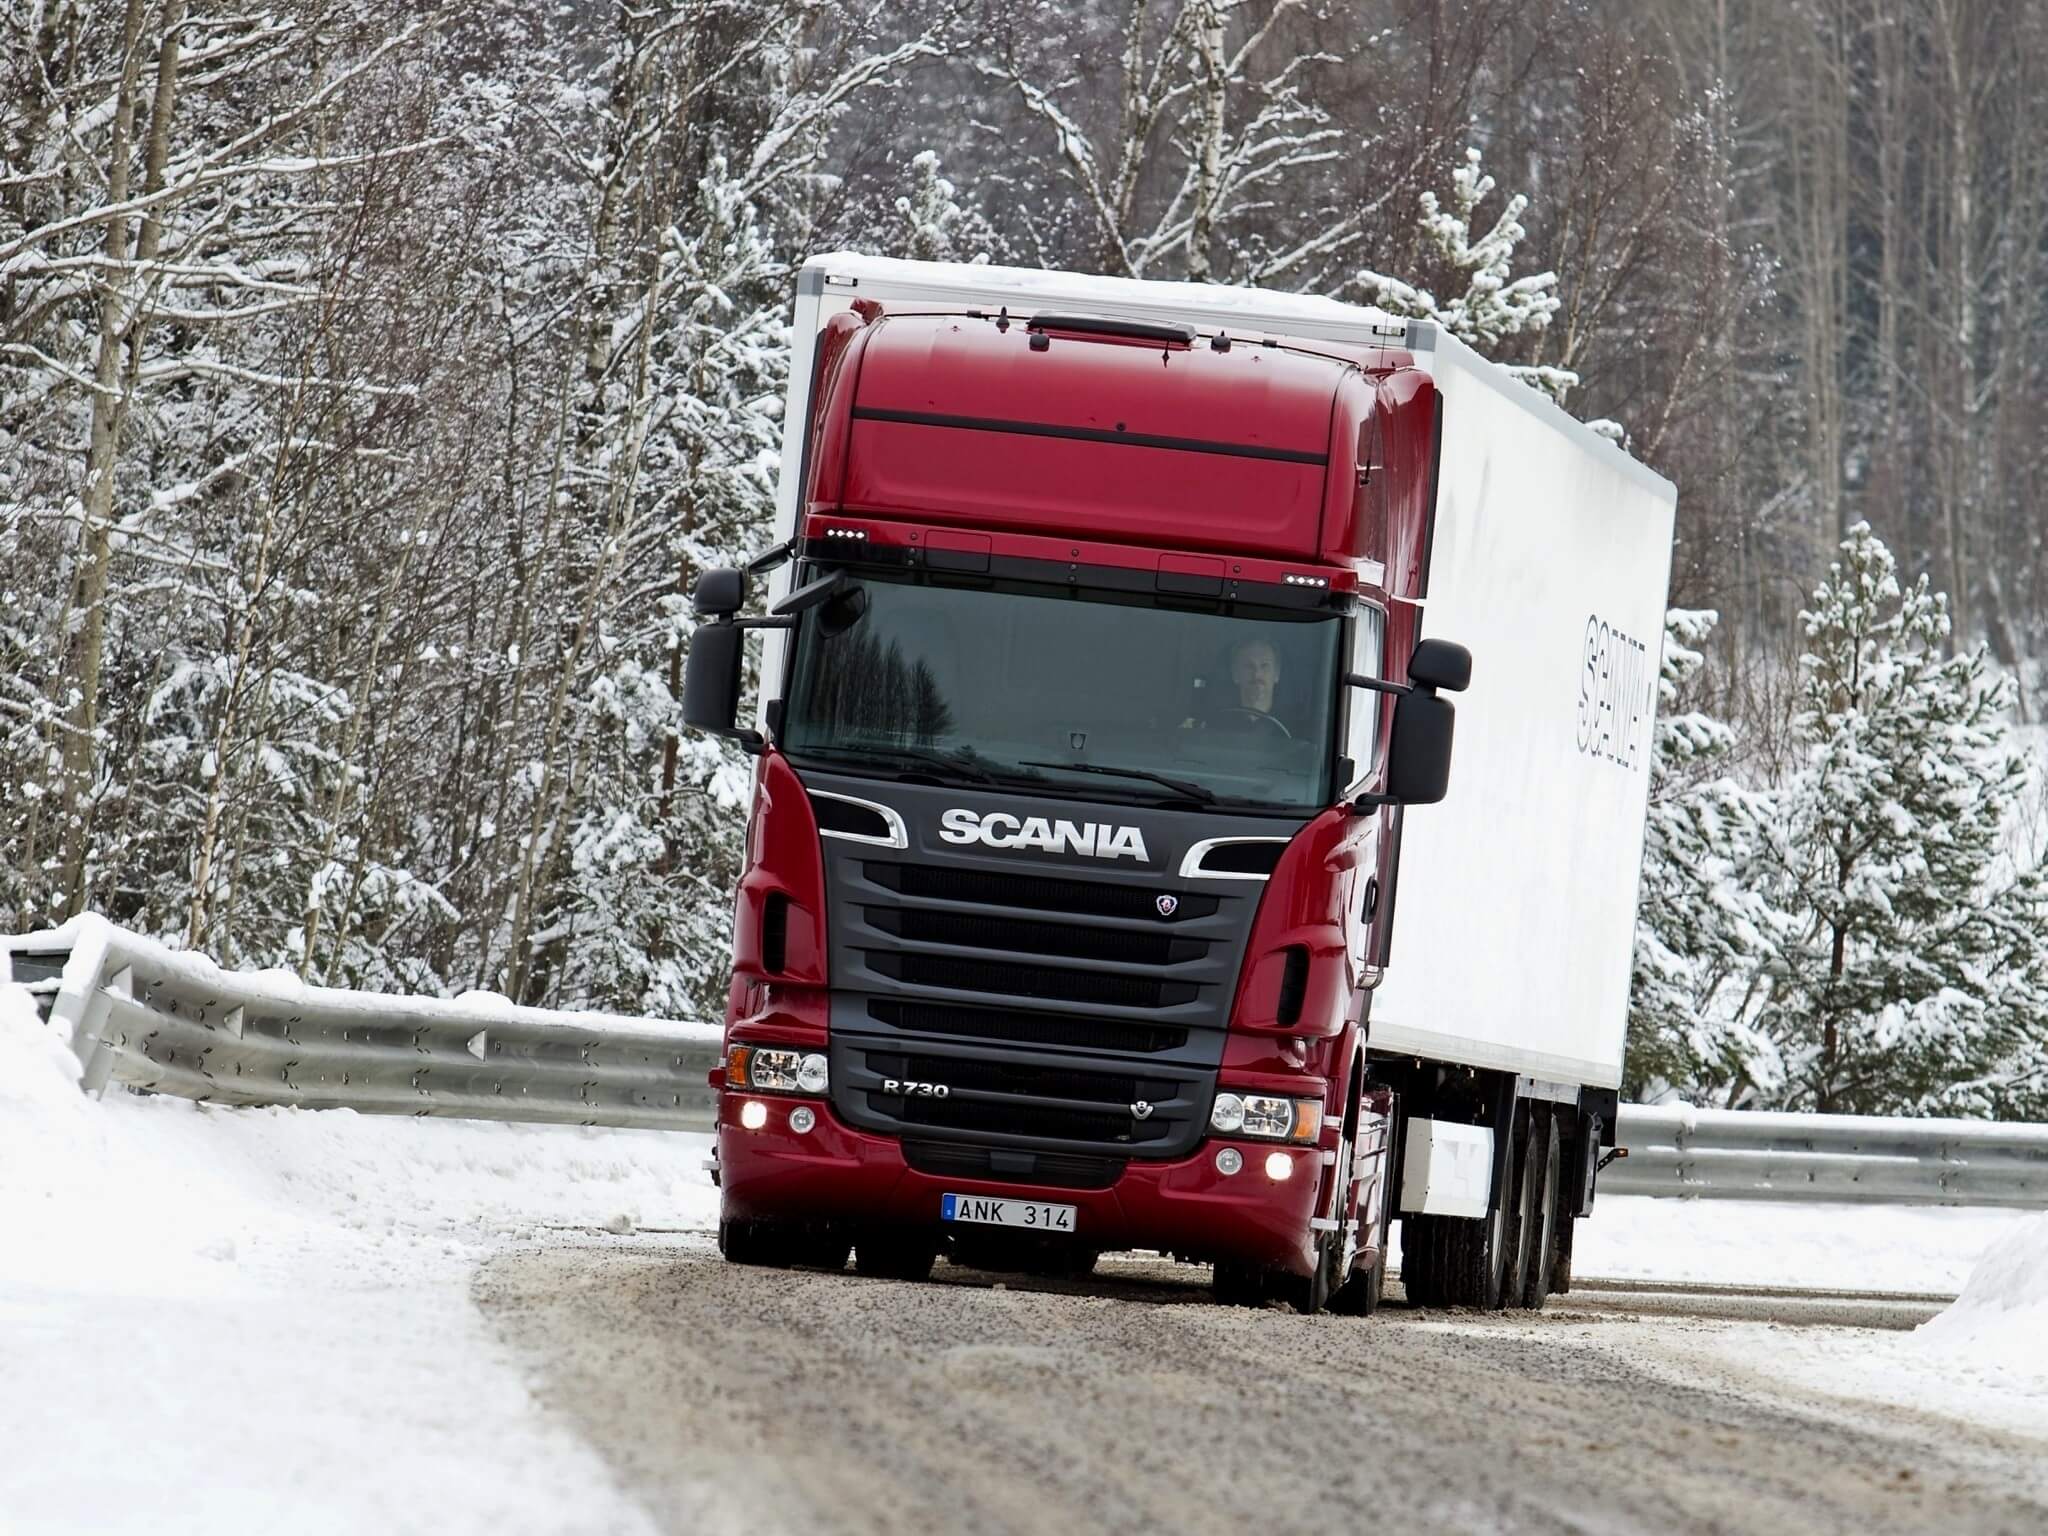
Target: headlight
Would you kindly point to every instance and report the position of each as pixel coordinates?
(775, 1069)
(1266, 1116)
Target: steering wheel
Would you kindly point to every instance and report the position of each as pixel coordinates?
(1260, 719)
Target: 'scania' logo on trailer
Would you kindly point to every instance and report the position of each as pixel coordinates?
(1615, 679)
(999, 829)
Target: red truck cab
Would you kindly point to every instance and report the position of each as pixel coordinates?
(1073, 854)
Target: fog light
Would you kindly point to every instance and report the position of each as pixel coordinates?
(802, 1118)
(1278, 1166)
(753, 1114)
(1228, 1161)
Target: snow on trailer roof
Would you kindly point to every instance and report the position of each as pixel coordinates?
(1245, 311)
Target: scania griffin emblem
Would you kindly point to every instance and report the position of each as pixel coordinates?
(1167, 904)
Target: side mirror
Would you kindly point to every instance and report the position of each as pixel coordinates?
(711, 678)
(720, 592)
(1419, 746)
(1419, 750)
(1441, 664)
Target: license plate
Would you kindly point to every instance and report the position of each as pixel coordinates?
(1032, 1215)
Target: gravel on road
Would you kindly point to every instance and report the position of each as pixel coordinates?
(727, 1398)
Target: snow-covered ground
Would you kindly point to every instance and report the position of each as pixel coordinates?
(229, 1320)
(225, 1319)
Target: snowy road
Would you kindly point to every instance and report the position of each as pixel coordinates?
(727, 1397)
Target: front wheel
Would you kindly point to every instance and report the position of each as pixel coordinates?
(895, 1257)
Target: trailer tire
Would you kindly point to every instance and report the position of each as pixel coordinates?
(1545, 1156)
(894, 1256)
(1520, 1230)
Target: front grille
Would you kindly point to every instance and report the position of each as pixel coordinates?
(1017, 1077)
(1020, 1103)
(1059, 1170)
(968, 930)
(1018, 979)
(1059, 1029)
(1049, 893)
(1111, 1127)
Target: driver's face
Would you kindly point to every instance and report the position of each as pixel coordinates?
(1255, 669)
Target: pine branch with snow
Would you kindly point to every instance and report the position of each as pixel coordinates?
(1494, 304)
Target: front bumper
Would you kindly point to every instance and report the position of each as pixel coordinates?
(839, 1174)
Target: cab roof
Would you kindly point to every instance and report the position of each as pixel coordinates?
(1029, 425)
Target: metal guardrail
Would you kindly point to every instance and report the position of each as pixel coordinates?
(148, 1017)
(1724, 1154)
(144, 1016)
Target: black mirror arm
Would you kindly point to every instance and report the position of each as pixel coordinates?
(1358, 680)
(771, 621)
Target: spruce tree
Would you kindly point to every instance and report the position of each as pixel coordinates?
(1495, 305)
(1698, 923)
(1904, 968)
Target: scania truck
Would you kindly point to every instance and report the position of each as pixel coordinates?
(1115, 877)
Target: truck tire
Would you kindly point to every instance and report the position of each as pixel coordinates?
(894, 1256)
(781, 1245)
(1238, 1285)
(1546, 1162)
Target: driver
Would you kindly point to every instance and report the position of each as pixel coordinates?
(1254, 679)
(1255, 672)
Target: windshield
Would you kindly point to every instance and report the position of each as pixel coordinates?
(1119, 700)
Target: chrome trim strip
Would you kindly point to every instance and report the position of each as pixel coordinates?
(899, 835)
(1191, 865)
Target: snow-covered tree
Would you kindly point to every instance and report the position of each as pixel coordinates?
(932, 225)
(1905, 970)
(1494, 305)
(1212, 123)
(1698, 923)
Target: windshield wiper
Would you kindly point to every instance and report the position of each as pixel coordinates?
(1186, 788)
(909, 757)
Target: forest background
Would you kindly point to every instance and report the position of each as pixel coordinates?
(376, 377)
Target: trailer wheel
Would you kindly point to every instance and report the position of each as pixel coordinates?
(894, 1256)
(1546, 1158)
(1520, 1231)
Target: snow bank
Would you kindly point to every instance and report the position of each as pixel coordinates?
(2001, 1318)
(1926, 1249)
(260, 1318)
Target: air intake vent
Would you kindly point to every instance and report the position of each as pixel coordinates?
(1293, 985)
(775, 932)
(1233, 858)
(857, 821)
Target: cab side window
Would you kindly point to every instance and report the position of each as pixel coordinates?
(1362, 732)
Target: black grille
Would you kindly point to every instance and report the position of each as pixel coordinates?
(1060, 1170)
(1015, 979)
(1029, 1028)
(1018, 1077)
(1114, 1127)
(968, 930)
(1048, 892)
